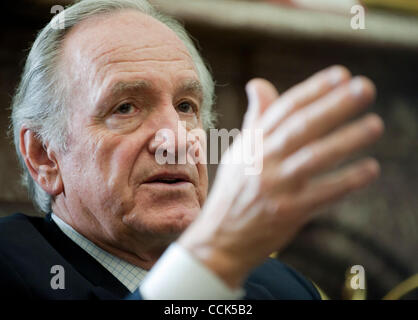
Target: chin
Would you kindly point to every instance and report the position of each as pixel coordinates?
(167, 222)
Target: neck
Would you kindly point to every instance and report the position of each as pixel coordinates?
(139, 250)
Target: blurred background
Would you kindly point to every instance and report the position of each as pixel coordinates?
(286, 41)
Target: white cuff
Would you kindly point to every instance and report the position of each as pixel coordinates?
(177, 275)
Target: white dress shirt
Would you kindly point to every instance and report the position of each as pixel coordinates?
(176, 276)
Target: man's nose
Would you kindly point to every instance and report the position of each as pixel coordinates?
(170, 137)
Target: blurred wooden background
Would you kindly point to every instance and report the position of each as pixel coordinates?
(376, 228)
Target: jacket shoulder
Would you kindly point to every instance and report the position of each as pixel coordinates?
(11, 239)
(10, 225)
(275, 280)
(16, 218)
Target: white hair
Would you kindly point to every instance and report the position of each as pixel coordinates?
(40, 99)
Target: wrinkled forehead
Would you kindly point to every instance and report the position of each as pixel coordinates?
(119, 36)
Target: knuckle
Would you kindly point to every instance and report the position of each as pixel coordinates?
(335, 150)
(295, 126)
(285, 206)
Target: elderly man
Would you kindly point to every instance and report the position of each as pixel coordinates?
(87, 116)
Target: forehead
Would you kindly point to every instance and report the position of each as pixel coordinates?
(122, 41)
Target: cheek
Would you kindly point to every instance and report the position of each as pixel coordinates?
(203, 183)
(100, 168)
(198, 134)
(115, 157)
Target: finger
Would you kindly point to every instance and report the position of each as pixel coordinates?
(327, 152)
(261, 94)
(320, 117)
(303, 94)
(333, 187)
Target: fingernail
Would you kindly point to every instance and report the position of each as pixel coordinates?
(375, 124)
(252, 97)
(251, 94)
(336, 76)
(372, 167)
(356, 87)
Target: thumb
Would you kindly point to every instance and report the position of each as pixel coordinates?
(261, 94)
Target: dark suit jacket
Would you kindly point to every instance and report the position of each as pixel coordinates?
(31, 246)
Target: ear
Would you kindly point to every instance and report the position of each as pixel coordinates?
(41, 162)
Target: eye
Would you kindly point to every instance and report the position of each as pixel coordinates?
(126, 108)
(186, 107)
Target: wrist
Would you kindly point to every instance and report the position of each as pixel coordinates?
(221, 261)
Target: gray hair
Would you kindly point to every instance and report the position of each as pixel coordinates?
(40, 99)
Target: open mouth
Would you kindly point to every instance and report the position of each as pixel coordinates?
(168, 179)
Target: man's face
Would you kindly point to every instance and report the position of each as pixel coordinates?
(128, 76)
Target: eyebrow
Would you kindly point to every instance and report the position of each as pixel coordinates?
(121, 86)
(190, 86)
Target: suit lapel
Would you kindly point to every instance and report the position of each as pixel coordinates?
(80, 260)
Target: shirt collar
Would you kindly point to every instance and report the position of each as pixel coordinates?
(128, 274)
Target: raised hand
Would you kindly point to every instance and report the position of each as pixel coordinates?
(246, 217)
